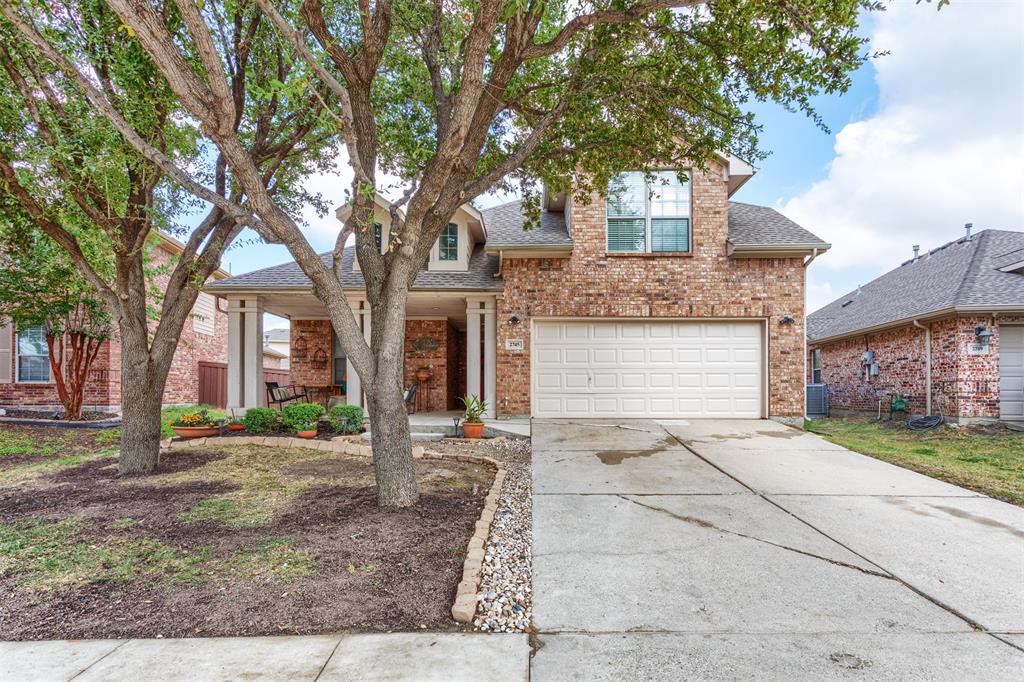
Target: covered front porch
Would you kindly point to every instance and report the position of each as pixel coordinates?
(450, 348)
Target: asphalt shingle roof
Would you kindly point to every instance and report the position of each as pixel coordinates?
(480, 276)
(751, 225)
(961, 273)
(505, 223)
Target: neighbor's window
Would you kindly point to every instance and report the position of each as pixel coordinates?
(652, 217)
(448, 243)
(33, 359)
(816, 366)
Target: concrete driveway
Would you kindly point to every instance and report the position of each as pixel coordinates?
(666, 550)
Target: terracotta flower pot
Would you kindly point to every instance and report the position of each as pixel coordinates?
(473, 429)
(306, 434)
(423, 375)
(195, 431)
(236, 427)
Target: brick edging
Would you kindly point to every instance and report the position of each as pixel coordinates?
(465, 594)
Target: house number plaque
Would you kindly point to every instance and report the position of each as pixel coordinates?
(515, 345)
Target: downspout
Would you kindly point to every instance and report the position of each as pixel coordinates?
(927, 364)
(814, 254)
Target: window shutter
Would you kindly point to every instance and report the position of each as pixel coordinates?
(670, 234)
(6, 345)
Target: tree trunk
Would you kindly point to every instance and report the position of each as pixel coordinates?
(142, 390)
(389, 422)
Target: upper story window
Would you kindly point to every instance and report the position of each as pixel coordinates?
(448, 243)
(648, 217)
(33, 358)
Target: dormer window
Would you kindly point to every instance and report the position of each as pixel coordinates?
(648, 217)
(448, 243)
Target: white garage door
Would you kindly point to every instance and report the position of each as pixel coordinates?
(647, 369)
(1011, 372)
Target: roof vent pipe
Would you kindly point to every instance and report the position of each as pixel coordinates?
(967, 229)
(917, 250)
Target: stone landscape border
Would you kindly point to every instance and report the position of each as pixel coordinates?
(464, 607)
(63, 423)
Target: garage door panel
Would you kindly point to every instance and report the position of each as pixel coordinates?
(632, 369)
(1011, 371)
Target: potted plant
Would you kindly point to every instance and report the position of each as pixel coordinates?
(236, 425)
(424, 373)
(195, 424)
(306, 430)
(473, 425)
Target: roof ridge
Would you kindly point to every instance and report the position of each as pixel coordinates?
(974, 266)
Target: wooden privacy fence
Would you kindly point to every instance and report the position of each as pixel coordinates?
(213, 382)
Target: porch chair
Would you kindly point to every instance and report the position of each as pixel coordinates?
(410, 398)
(281, 395)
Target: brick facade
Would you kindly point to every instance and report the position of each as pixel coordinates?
(706, 284)
(308, 338)
(964, 386)
(103, 391)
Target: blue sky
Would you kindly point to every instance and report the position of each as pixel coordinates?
(926, 139)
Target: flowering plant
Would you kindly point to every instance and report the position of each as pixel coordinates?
(194, 418)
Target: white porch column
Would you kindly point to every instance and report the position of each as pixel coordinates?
(473, 311)
(354, 385)
(245, 353)
(490, 357)
(366, 335)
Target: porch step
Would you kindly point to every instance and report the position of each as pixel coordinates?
(415, 436)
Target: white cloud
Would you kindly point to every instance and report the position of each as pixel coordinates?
(944, 148)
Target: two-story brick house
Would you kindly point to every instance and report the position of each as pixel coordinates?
(26, 381)
(667, 300)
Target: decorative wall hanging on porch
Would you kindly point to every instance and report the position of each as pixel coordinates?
(319, 359)
(300, 349)
(425, 344)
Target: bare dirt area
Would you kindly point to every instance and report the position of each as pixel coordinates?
(51, 446)
(242, 540)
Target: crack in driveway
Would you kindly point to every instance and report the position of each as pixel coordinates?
(707, 524)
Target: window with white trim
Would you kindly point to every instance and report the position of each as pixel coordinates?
(816, 366)
(448, 243)
(648, 216)
(33, 363)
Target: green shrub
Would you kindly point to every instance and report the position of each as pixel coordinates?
(346, 418)
(297, 414)
(261, 419)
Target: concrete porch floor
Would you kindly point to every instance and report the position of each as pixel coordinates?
(436, 425)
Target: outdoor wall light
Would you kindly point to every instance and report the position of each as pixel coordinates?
(983, 335)
(514, 320)
(787, 320)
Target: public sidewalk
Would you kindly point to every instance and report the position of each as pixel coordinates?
(395, 657)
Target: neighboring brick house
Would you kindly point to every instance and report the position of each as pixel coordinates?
(25, 379)
(667, 300)
(951, 320)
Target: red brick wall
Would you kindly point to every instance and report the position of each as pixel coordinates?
(963, 385)
(433, 393)
(305, 371)
(707, 284)
(104, 388)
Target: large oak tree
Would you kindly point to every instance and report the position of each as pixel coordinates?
(460, 97)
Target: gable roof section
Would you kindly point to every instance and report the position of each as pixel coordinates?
(480, 276)
(505, 225)
(961, 275)
(753, 226)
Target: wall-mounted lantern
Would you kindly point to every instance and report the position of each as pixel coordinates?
(982, 335)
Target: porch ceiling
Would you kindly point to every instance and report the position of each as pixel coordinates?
(304, 305)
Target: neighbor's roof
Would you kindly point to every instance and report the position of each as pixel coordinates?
(961, 275)
(271, 353)
(480, 276)
(751, 225)
(278, 334)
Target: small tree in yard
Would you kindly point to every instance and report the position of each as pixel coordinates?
(40, 287)
(463, 97)
(100, 189)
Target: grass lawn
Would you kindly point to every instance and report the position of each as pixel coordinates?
(987, 459)
(223, 540)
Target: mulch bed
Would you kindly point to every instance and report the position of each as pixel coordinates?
(49, 414)
(372, 569)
